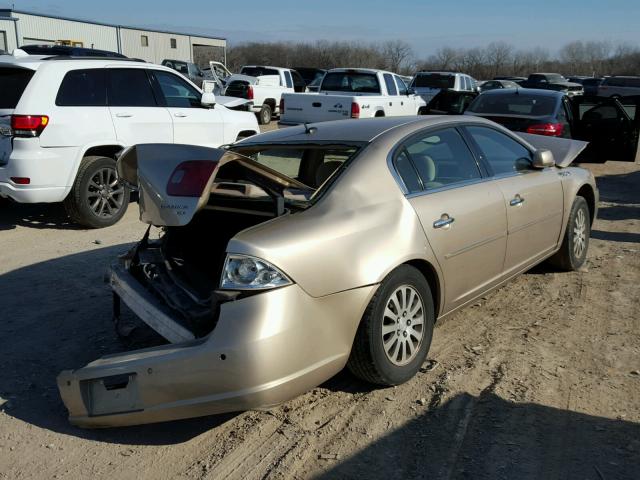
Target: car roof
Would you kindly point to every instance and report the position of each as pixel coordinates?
(358, 69)
(352, 131)
(527, 91)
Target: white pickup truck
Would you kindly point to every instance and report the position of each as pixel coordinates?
(264, 86)
(351, 93)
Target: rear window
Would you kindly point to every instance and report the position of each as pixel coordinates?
(434, 80)
(258, 71)
(351, 82)
(514, 104)
(13, 81)
(83, 88)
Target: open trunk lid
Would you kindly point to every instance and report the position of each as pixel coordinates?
(175, 181)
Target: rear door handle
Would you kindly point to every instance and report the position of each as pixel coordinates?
(124, 115)
(517, 200)
(180, 115)
(444, 221)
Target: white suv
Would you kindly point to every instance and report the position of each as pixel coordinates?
(64, 120)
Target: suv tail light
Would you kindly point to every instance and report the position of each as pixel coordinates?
(548, 129)
(355, 110)
(249, 92)
(28, 125)
(281, 106)
(189, 178)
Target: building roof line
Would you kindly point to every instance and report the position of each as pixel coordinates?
(92, 22)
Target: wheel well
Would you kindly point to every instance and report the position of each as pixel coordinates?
(431, 276)
(380, 113)
(104, 151)
(272, 103)
(586, 192)
(245, 134)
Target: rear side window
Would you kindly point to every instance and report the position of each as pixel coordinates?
(176, 91)
(83, 88)
(129, 87)
(13, 81)
(391, 86)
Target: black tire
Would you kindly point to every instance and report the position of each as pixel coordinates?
(93, 202)
(264, 117)
(369, 360)
(570, 257)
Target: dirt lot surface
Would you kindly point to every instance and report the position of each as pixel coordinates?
(539, 380)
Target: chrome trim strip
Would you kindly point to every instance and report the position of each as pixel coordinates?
(475, 245)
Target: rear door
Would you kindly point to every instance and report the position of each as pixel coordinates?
(13, 82)
(461, 211)
(610, 126)
(138, 116)
(192, 123)
(533, 198)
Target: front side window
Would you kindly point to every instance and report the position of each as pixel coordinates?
(176, 91)
(83, 88)
(391, 86)
(288, 79)
(501, 152)
(402, 87)
(440, 158)
(129, 87)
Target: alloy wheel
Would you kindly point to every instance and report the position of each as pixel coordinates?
(105, 193)
(579, 234)
(403, 325)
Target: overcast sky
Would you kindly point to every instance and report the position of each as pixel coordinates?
(426, 25)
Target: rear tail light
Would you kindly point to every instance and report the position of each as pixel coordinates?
(190, 178)
(21, 180)
(281, 106)
(355, 110)
(548, 129)
(28, 125)
(249, 92)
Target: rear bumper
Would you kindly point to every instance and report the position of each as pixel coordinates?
(28, 194)
(265, 349)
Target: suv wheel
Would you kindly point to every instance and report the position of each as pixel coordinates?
(264, 117)
(97, 199)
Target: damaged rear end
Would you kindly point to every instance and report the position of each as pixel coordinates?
(233, 322)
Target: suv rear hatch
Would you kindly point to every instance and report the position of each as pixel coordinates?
(428, 85)
(13, 82)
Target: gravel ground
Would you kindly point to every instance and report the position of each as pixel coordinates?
(539, 379)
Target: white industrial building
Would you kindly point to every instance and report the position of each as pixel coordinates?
(19, 28)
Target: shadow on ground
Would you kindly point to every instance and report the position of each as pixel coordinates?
(36, 215)
(487, 437)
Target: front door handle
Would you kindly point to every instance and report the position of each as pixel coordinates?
(124, 115)
(444, 221)
(180, 115)
(517, 200)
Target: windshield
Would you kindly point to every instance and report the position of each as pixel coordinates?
(514, 104)
(434, 80)
(351, 82)
(310, 165)
(258, 71)
(13, 81)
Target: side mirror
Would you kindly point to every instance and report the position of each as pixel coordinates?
(411, 91)
(208, 99)
(543, 159)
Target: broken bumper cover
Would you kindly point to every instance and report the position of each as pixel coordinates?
(265, 349)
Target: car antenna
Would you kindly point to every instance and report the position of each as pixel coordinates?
(309, 130)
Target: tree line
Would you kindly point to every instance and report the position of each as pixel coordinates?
(497, 58)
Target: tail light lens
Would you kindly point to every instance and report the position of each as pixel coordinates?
(548, 129)
(28, 125)
(281, 106)
(189, 178)
(249, 92)
(21, 180)
(355, 110)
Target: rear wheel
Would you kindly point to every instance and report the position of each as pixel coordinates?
(97, 199)
(395, 333)
(573, 252)
(264, 117)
